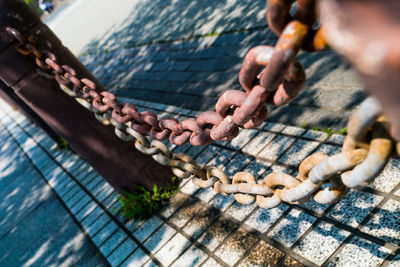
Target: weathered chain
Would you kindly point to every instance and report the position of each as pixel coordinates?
(364, 153)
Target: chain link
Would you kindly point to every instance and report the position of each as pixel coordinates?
(365, 151)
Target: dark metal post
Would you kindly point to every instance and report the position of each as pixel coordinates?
(117, 161)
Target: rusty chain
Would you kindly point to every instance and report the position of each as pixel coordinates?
(365, 151)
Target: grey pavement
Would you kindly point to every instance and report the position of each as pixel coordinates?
(35, 227)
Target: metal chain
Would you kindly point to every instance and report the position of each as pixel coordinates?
(365, 151)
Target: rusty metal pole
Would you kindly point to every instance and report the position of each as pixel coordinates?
(13, 100)
(117, 161)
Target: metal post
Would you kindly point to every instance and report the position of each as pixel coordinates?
(117, 161)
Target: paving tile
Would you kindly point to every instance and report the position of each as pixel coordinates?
(186, 212)
(98, 224)
(263, 254)
(122, 252)
(394, 262)
(336, 139)
(236, 164)
(96, 213)
(274, 127)
(167, 254)
(257, 167)
(174, 203)
(132, 224)
(354, 207)
(201, 220)
(397, 193)
(360, 252)
(262, 219)
(258, 143)
(315, 135)
(222, 202)
(195, 150)
(298, 152)
(138, 258)
(104, 194)
(315, 206)
(113, 242)
(243, 137)
(221, 159)
(159, 238)
(194, 256)
(147, 228)
(235, 246)
(80, 204)
(216, 233)
(291, 227)
(292, 130)
(211, 263)
(240, 211)
(321, 242)
(73, 197)
(330, 150)
(207, 155)
(290, 262)
(110, 200)
(105, 233)
(389, 177)
(205, 194)
(276, 147)
(384, 224)
(85, 211)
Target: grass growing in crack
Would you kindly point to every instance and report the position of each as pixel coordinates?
(327, 130)
(143, 203)
(62, 144)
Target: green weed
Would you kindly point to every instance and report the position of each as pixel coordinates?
(62, 144)
(143, 203)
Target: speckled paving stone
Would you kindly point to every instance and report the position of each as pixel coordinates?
(138, 258)
(169, 252)
(315, 206)
(315, 135)
(291, 227)
(236, 164)
(159, 238)
(330, 150)
(174, 203)
(298, 152)
(205, 194)
(122, 252)
(105, 233)
(262, 219)
(189, 188)
(240, 211)
(258, 143)
(290, 262)
(113, 242)
(321, 242)
(276, 147)
(385, 223)
(336, 139)
(243, 137)
(195, 150)
(397, 193)
(222, 202)
(257, 167)
(395, 262)
(186, 212)
(292, 130)
(192, 257)
(360, 252)
(263, 254)
(274, 127)
(216, 233)
(221, 159)
(389, 177)
(147, 228)
(235, 246)
(354, 207)
(201, 220)
(207, 154)
(211, 263)
(98, 224)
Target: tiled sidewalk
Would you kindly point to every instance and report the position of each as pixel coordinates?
(199, 227)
